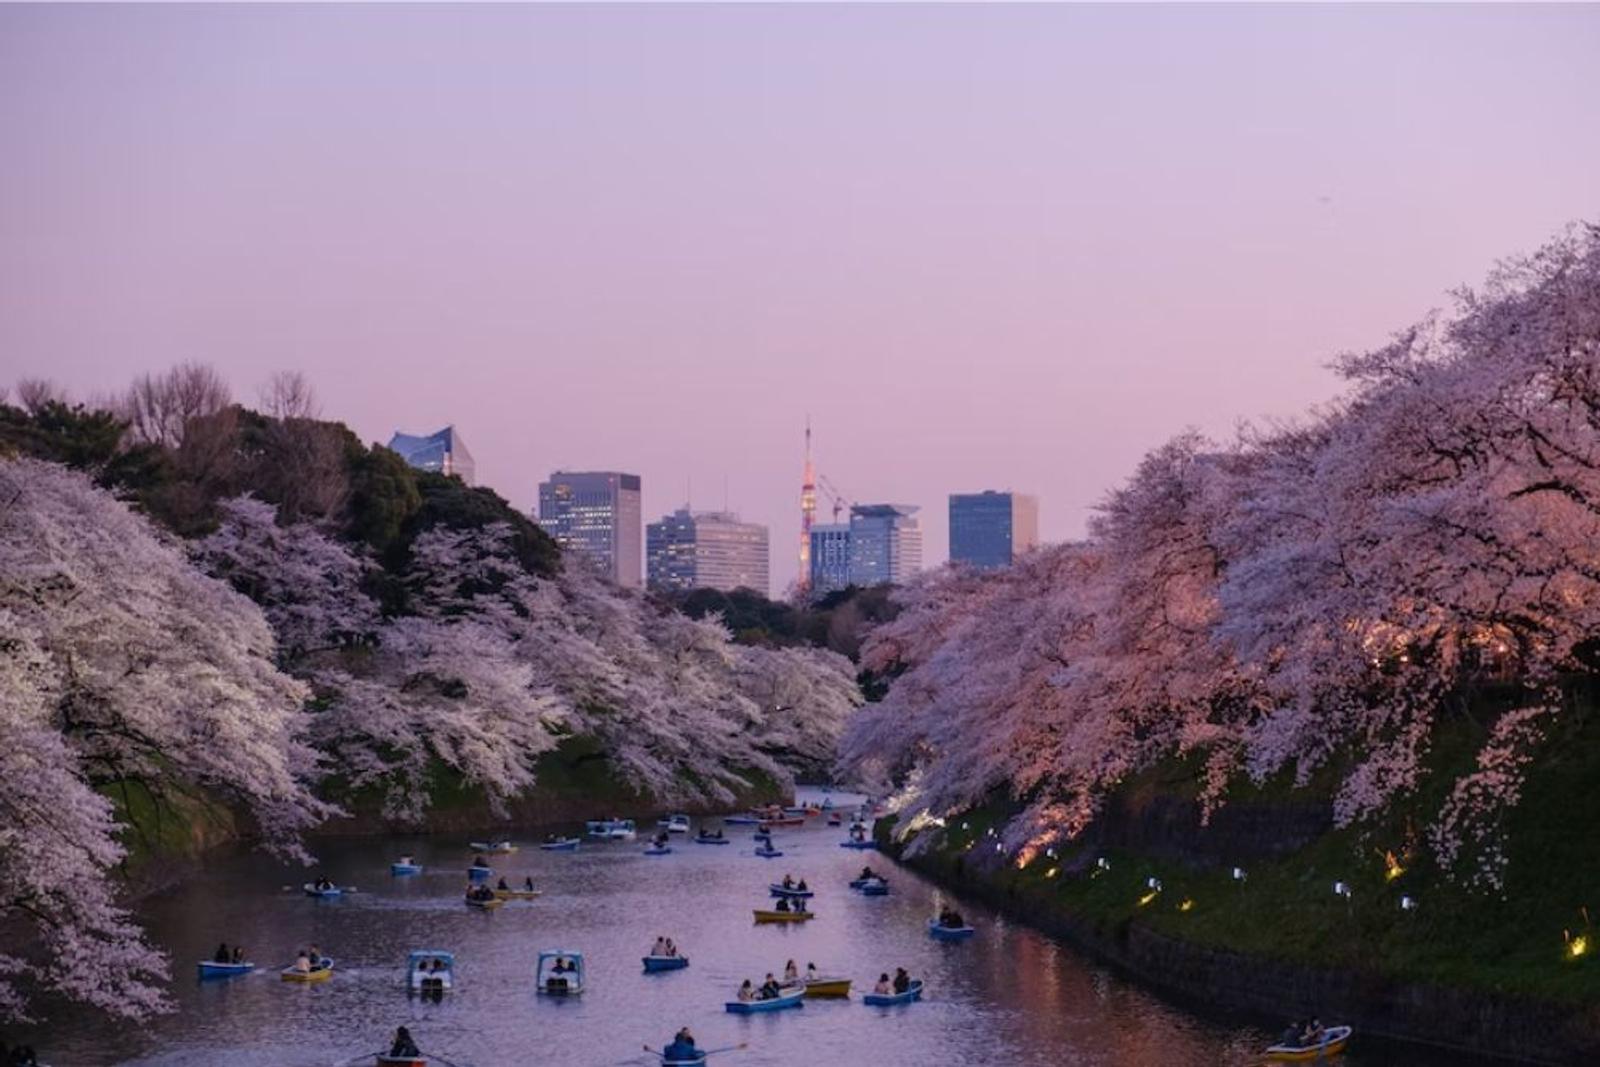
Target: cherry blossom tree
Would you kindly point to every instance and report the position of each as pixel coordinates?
(120, 663)
(1307, 595)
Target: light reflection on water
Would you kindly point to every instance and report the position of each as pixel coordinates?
(1009, 996)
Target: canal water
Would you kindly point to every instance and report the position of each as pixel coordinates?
(1007, 997)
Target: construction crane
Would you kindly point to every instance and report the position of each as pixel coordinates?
(836, 496)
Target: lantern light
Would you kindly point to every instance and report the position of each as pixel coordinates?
(1341, 889)
(1408, 904)
(1238, 874)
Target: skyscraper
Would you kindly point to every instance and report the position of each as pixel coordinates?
(990, 529)
(885, 543)
(598, 513)
(706, 550)
(830, 558)
(443, 452)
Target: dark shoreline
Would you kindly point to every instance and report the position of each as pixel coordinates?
(1239, 986)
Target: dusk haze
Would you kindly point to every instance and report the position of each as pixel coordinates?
(1041, 534)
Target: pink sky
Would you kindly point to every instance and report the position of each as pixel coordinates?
(984, 247)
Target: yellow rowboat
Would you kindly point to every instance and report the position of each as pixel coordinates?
(320, 973)
(827, 987)
(485, 905)
(1331, 1043)
(783, 916)
(518, 894)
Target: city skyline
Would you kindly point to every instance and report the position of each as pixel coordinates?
(654, 240)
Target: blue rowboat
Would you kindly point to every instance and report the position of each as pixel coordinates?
(712, 841)
(869, 843)
(324, 894)
(791, 997)
(949, 933)
(565, 844)
(653, 964)
(881, 1000)
(658, 850)
(479, 874)
(405, 868)
(769, 853)
(212, 969)
(875, 887)
(779, 890)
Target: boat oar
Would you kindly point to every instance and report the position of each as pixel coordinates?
(359, 1056)
(707, 1052)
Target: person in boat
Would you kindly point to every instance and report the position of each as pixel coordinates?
(403, 1045)
(405, 861)
(502, 886)
(811, 972)
(866, 872)
(747, 992)
(783, 904)
(769, 988)
(902, 980)
(302, 962)
(682, 1049)
(951, 919)
(802, 886)
(1313, 1032)
(238, 954)
(672, 947)
(791, 973)
(316, 957)
(788, 882)
(883, 988)
(660, 948)
(527, 885)
(1291, 1036)
(479, 861)
(222, 955)
(322, 883)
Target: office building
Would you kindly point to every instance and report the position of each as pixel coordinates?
(885, 543)
(829, 559)
(991, 529)
(597, 513)
(443, 453)
(706, 550)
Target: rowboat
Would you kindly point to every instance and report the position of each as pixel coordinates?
(430, 971)
(857, 883)
(1331, 1043)
(764, 916)
(703, 840)
(518, 894)
(675, 824)
(742, 820)
(868, 843)
(484, 905)
(827, 987)
(879, 1000)
(791, 996)
(213, 969)
(320, 973)
(611, 829)
(784, 820)
(383, 1059)
(493, 848)
(665, 963)
(658, 850)
(561, 844)
(949, 933)
(834, 820)
(405, 868)
(779, 890)
(325, 894)
(769, 853)
(479, 874)
(875, 887)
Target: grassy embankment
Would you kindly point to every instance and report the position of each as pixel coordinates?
(1286, 908)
